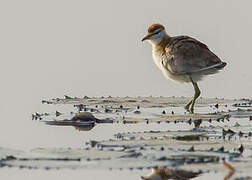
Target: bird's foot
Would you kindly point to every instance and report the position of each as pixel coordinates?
(189, 109)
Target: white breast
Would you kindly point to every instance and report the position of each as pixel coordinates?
(156, 58)
(168, 75)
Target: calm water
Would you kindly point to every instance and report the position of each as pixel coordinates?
(21, 133)
(27, 135)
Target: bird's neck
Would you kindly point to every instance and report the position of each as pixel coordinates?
(160, 47)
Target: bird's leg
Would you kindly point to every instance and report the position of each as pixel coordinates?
(196, 95)
(187, 107)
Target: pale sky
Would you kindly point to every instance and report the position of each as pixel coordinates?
(54, 47)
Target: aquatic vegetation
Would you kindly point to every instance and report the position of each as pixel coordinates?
(219, 131)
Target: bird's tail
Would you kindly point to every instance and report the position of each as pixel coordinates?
(221, 65)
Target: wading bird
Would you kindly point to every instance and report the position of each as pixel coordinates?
(182, 58)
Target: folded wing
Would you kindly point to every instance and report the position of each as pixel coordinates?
(187, 56)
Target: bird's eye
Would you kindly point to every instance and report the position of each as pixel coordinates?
(156, 33)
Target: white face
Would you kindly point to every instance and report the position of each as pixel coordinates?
(157, 38)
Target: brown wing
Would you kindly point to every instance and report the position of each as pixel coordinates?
(187, 55)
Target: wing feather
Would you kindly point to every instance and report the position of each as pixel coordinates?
(187, 55)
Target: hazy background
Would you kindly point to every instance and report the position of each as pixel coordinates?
(49, 48)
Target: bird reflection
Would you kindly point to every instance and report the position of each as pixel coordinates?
(166, 173)
(83, 121)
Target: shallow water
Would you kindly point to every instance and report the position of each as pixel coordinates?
(137, 144)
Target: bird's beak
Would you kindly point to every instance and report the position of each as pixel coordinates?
(146, 37)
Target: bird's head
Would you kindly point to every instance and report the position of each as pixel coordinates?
(156, 33)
